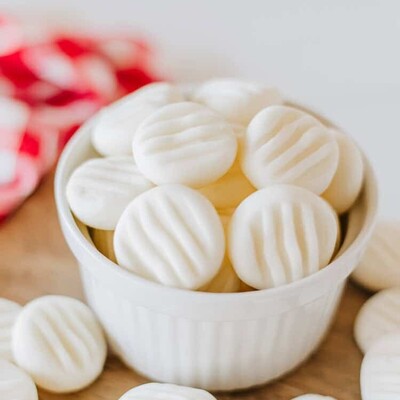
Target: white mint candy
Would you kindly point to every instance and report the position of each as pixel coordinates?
(379, 316)
(348, 179)
(380, 266)
(99, 190)
(286, 145)
(187, 90)
(117, 124)
(313, 397)
(281, 234)
(16, 384)
(239, 130)
(185, 143)
(165, 391)
(171, 235)
(380, 370)
(104, 242)
(9, 312)
(59, 343)
(238, 101)
(230, 190)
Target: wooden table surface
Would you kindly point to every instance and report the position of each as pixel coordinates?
(35, 261)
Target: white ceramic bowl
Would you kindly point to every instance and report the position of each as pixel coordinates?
(212, 341)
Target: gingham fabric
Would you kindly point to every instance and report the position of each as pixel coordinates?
(49, 88)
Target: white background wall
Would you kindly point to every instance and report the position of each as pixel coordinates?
(340, 57)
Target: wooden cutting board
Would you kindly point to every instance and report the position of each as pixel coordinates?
(35, 261)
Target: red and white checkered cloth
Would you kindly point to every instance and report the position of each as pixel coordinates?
(48, 89)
